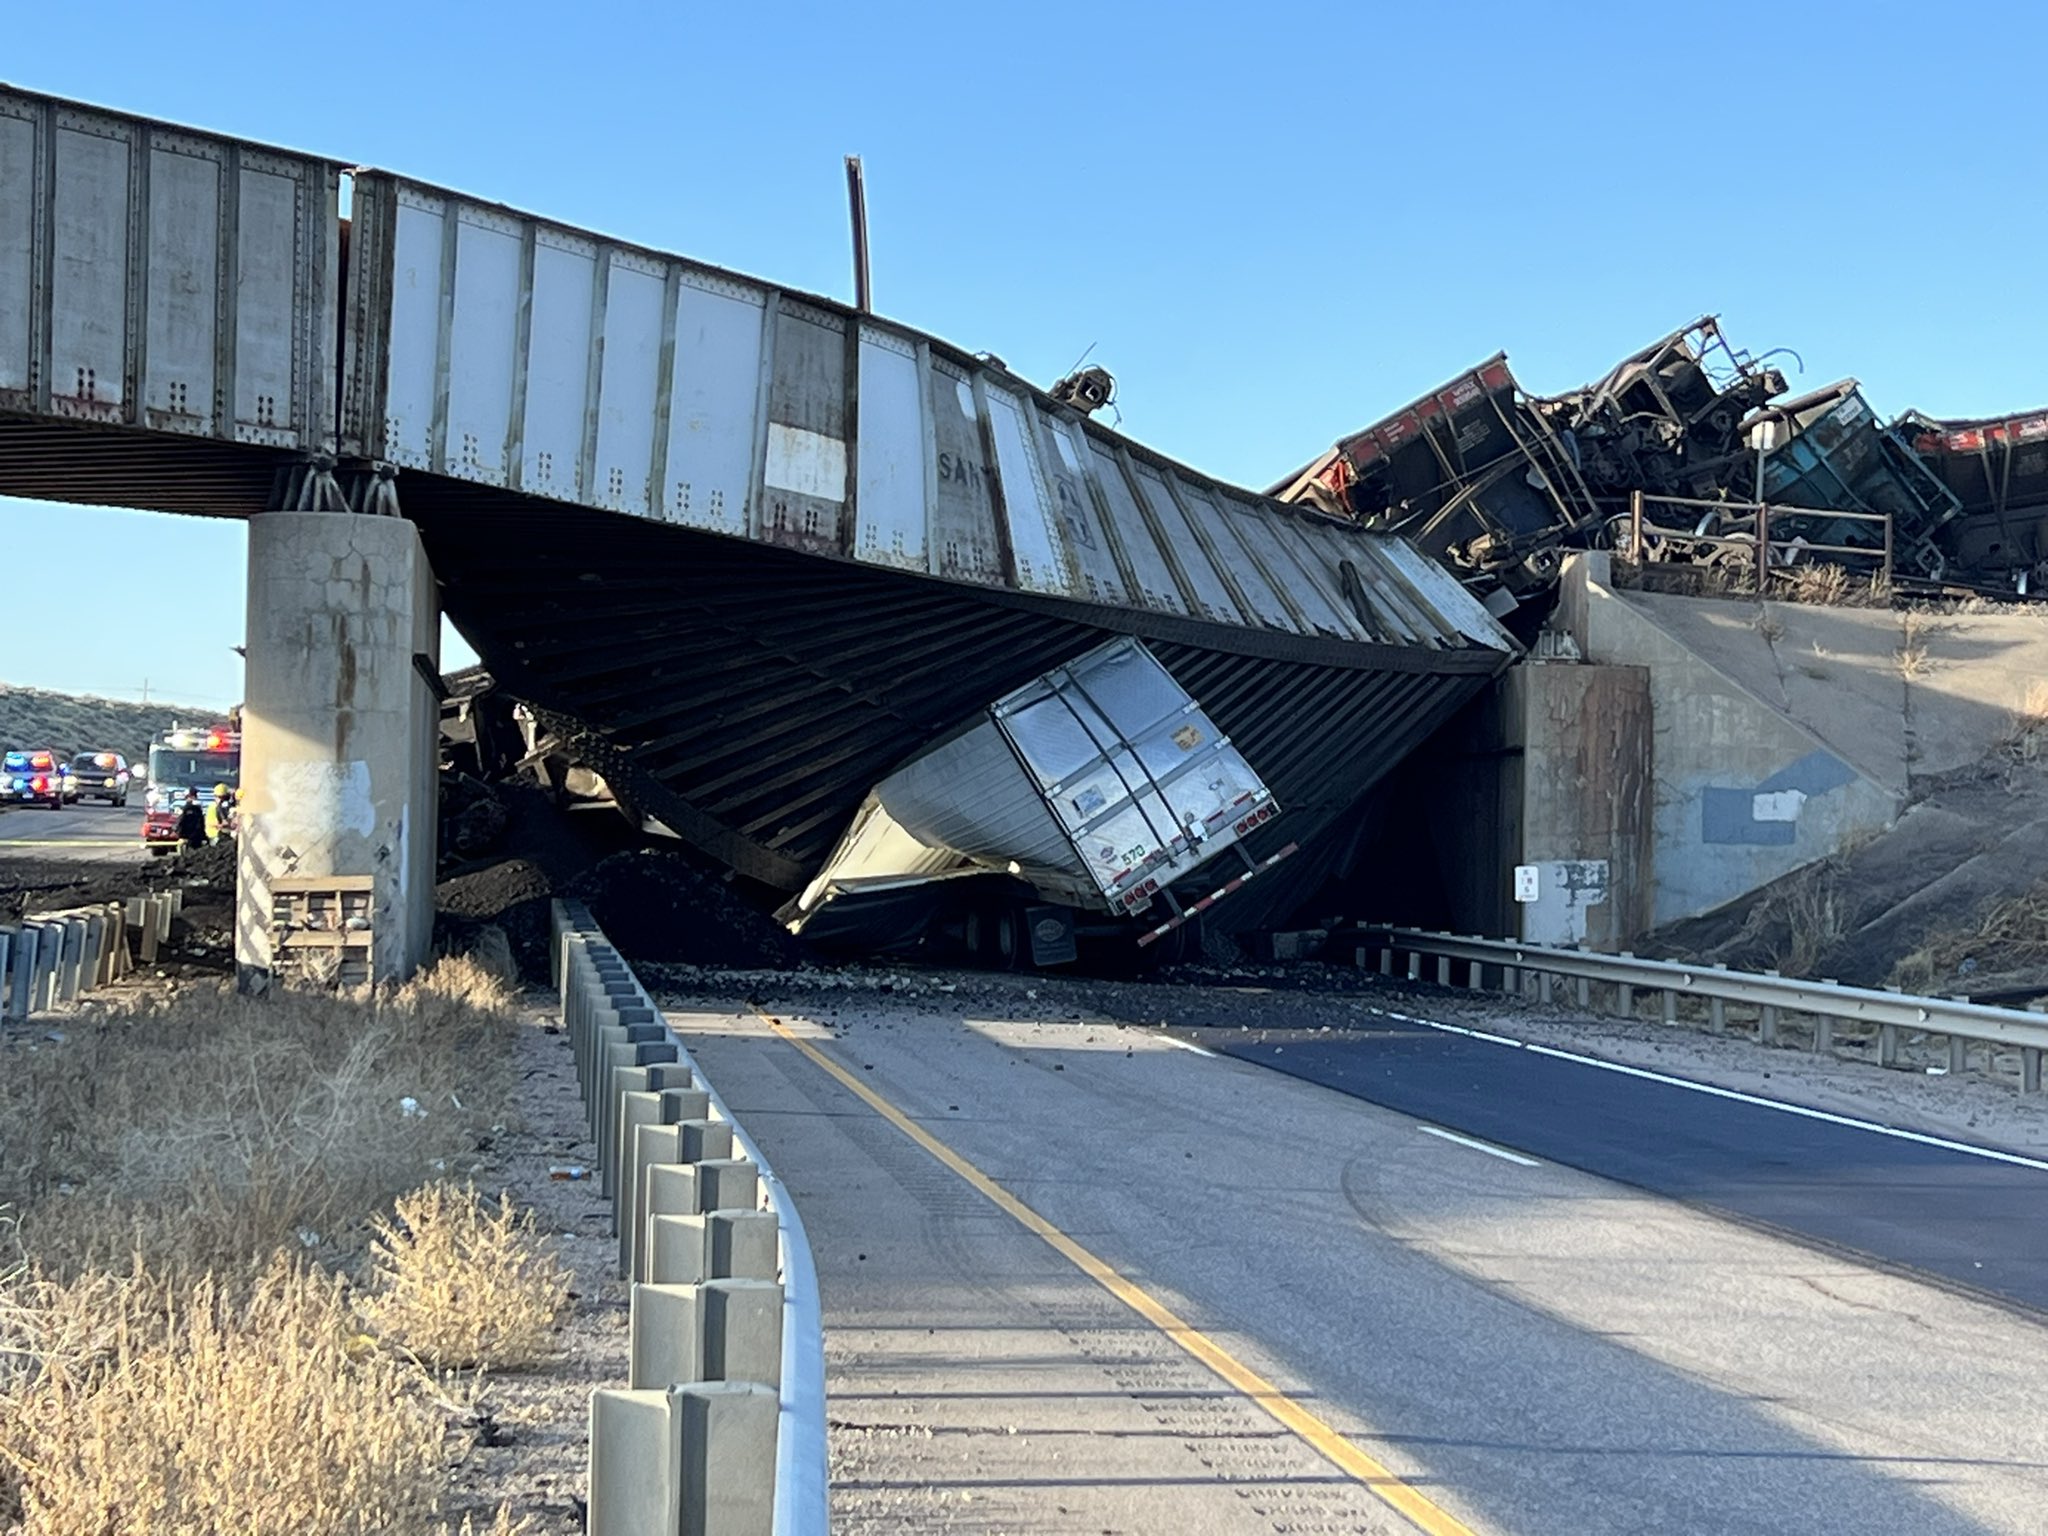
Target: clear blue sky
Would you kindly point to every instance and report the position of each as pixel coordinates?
(1273, 222)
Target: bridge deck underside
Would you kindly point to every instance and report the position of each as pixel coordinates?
(47, 460)
(752, 696)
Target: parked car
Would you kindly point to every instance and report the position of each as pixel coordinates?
(98, 776)
(32, 778)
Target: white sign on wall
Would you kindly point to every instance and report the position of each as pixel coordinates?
(1527, 885)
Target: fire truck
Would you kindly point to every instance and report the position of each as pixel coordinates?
(194, 759)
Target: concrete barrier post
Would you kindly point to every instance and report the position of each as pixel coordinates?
(742, 1245)
(117, 926)
(636, 1464)
(651, 1106)
(728, 1440)
(92, 955)
(657, 1148)
(42, 995)
(70, 956)
(678, 1250)
(742, 1330)
(604, 1127)
(665, 1326)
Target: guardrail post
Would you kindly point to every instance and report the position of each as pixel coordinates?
(49, 968)
(2030, 1069)
(1386, 962)
(636, 1464)
(666, 1329)
(1767, 1020)
(618, 1055)
(728, 1431)
(1511, 980)
(70, 957)
(1414, 965)
(1543, 986)
(1958, 1048)
(92, 951)
(638, 1106)
(1670, 1006)
(743, 1331)
(1585, 994)
(741, 1245)
(1475, 976)
(1888, 1045)
(8, 944)
(658, 1148)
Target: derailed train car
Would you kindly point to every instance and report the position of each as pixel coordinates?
(1497, 482)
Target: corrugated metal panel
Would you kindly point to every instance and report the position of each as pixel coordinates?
(159, 278)
(494, 347)
(759, 737)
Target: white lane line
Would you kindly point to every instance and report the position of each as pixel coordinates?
(1805, 1112)
(1189, 1045)
(1479, 1146)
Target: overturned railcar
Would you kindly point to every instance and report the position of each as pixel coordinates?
(772, 552)
(1996, 468)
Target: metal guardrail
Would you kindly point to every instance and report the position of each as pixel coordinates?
(53, 957)
(1828, 1002)
(722, 1425)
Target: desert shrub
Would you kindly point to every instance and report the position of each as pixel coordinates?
(207, 1131)
(462, 1282)
(129, 1406)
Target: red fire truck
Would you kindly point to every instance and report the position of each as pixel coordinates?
(195, 759)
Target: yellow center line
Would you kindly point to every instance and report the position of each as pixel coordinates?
(1327, 1441)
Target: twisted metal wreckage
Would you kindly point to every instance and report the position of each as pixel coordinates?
(1687, 453)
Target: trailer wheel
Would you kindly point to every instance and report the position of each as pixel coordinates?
(994, 932)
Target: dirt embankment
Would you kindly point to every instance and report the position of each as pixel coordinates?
(1953, 900)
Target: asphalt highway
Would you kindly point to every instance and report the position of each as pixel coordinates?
(1966, 1216)
(87, 833)
(1081, 1277)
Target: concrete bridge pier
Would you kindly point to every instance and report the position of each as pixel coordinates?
(339, 751)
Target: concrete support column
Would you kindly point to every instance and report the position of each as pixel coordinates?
(339, 738)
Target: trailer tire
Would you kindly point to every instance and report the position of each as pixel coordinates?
(995, 935)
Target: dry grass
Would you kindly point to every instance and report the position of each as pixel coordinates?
(1796, 921)
(184, 1187)
(463, 1283)
(135, 1409)
(1828, 586)
(2026, 732)
(2007, 936)
(1910, 659)
(207, 1131)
